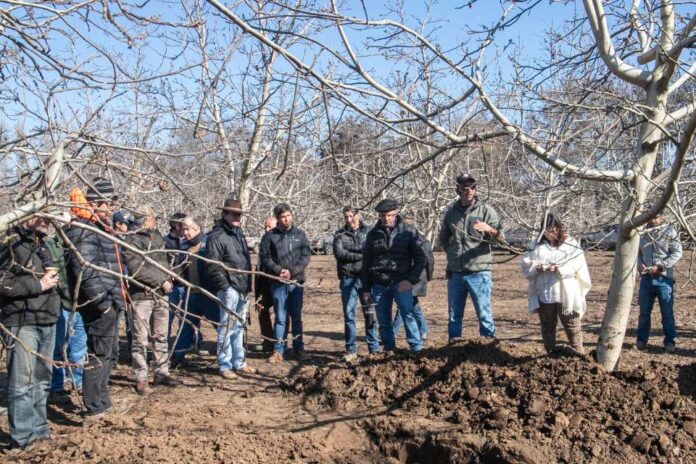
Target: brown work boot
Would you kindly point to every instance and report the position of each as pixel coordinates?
(229, 375)
(142, 388)
(275, 358)
(247, 369)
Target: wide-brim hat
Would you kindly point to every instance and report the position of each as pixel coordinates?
(233, 205)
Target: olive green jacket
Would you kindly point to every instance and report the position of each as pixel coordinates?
(468, 250)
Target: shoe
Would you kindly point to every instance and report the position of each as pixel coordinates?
(670, 348)
(166, 380)
(247, 369)
(641, 345)
(142, 388)
(302, 356)
(17, 449)
(229, 375)
(275, 358)
(350, 357)
(454, 340)
(59, 397)
(424, 336)
(175, 363)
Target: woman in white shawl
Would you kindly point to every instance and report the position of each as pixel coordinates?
(558, 283)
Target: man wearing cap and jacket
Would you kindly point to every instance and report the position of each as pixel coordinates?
(285, 252)
(101, 294)
(468, 229)
(29, 309)
(228, 254)
(150, 314)
(393, 261)
(659, 252)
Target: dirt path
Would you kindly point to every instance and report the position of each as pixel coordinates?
(319, 412)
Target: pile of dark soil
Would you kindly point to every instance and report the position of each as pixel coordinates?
(480, 402)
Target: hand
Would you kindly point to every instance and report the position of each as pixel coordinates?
(484, 228)
(49, 280)
(654, 270)
(404, 286)
(285, 274)
(540, 268)
(167, 286)
(642, 268)
(368, 298)
(552, 268)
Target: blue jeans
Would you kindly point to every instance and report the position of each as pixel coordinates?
(198, 305)
(230, 331)
(662, 288)
(351, 292)
(287, 301)
(29, 380)
(480, 286)
(384, 298)
(76, 350)
(176, 298)
(420, 320)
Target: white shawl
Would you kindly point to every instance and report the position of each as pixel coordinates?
(572, 276)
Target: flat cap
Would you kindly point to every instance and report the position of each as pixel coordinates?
(387, 205)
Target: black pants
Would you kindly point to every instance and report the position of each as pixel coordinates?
(102, 354)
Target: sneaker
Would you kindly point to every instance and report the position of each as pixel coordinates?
(166, 380)
(247, 369)
(142, 388)
(275, 358)
(424, 336)
(670, 348)
(454, 340)
(16, 448)
(641, 345)
(350, 357)
(228, 375)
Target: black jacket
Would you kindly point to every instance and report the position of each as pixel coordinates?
(23, 257)
(228, 246)
(285, 249)
(421, 288)
(141, 270)
(392, 256)
(348, 250)
(99, 291)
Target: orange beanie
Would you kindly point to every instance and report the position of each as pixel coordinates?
(79, 203)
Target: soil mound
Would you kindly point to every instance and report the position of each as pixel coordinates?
(481, 402)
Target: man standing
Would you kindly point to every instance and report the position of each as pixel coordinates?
(264, 298)
(199, 305)
(467, 231)
(421, 288)
(659, 252)
(285, 252)
(29, 309)
(175, 242)
(101, 294)
(150, 314)
(348, 251)
(229, 254)
(392, 264)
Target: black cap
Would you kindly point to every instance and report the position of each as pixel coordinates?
(466, 180)
(387, 205)
(124, 217)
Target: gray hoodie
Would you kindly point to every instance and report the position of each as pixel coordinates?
(659, 246)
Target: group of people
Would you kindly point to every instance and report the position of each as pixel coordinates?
(62, 298)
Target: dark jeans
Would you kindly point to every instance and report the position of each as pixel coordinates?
(29, 381)
(264, 303)
(176, 299)
(662, 288)
(351, 293)
(384, 296)
(287, 302)
(102, 354)
(198, 305)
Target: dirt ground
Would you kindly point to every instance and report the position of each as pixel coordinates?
(473, 401)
